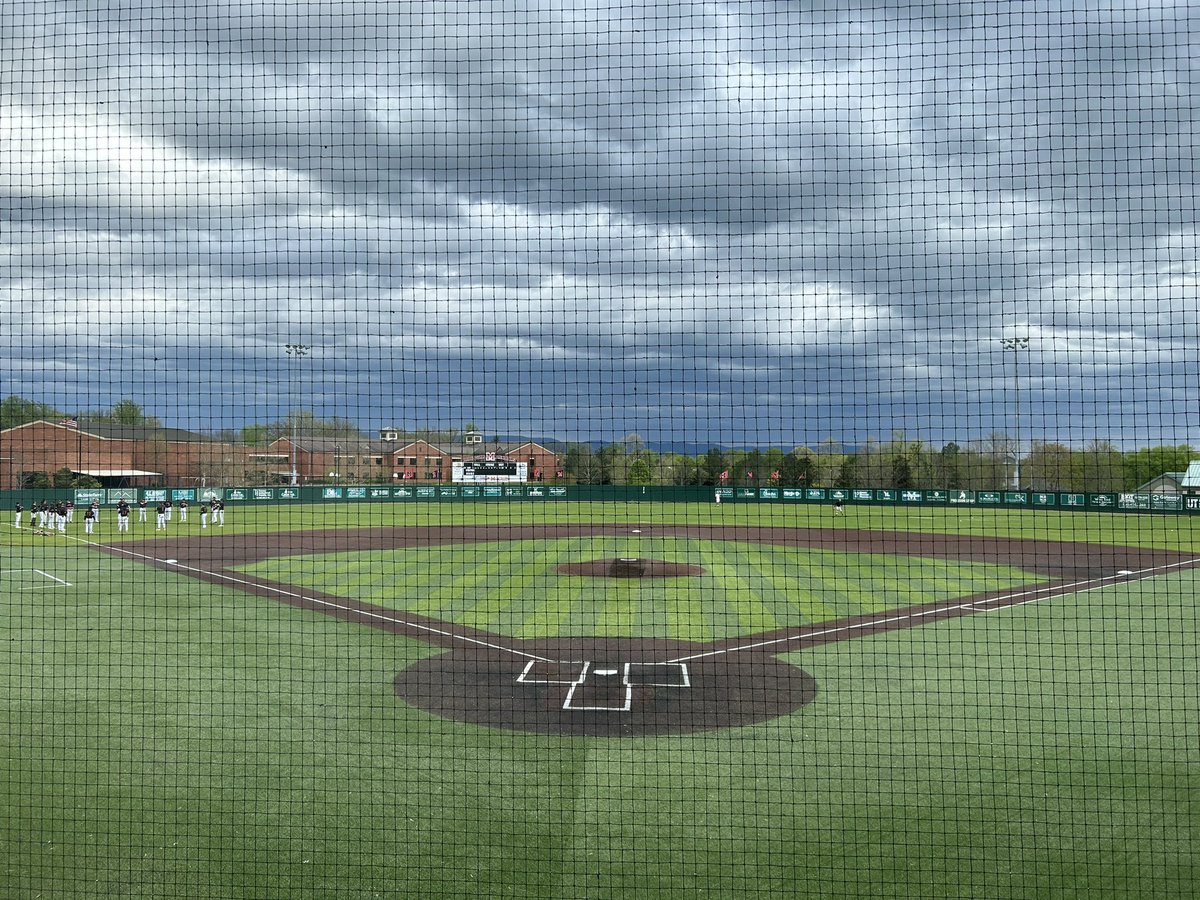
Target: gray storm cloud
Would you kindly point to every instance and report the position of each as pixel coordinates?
(739, 222)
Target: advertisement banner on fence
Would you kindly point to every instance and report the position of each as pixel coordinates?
(331, 493)
(990, 498)
(1016, 498)
(356, 493)
(234, 494)
(962, 496)
(1172, 502)
(154, 495)
(558, 492)
(88, 496)
(1133, 501)
(911, 496)
(210, 494)
(289, 493)
(116, 495)
(263, 493)
(188, 494)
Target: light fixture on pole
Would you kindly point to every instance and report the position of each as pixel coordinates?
(1016, 344)
(294, 352)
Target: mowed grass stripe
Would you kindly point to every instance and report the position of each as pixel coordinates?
(498, 558)
(549, 615)
(739, 595)
(793, 601)
(685, 615)
(517, 593)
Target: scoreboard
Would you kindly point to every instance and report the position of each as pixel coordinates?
(489, 471)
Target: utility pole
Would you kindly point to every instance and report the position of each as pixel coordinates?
(1016, 345)
(295, 352)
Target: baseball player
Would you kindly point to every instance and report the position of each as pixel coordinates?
(89, 520)
(142, 510)
(123, 516)
(219, 513)
(17, 517)
(183, 506)
(204, 515)
(160, 521)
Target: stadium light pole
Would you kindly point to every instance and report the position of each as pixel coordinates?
(1016, 345)
(294, 352)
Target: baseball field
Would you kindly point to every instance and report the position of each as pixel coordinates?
(602, 700)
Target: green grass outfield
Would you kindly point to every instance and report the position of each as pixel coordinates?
(163, 737)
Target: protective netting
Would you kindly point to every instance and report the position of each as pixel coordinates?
(600, 450)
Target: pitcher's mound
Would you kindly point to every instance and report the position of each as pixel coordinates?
(633, 567)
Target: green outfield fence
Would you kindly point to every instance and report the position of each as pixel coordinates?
(1067, 501)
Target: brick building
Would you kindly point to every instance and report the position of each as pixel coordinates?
(115, 455)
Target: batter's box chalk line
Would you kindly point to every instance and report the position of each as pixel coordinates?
(590, 683)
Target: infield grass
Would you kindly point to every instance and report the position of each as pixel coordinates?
(514, 588)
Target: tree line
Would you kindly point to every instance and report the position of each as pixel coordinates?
(987, 464)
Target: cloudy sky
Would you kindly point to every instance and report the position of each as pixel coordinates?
(745, 222)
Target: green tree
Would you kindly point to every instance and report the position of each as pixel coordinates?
(849, 475)
(129, 412)
(254, 435)
(35, 481)
(640, 473)
(16, 411)
(86, 481)
(63, 478)
(949, 467)
(582, 464)
(1099, 466)
(901, 472)
(798, 469)
(1048, 467)
(714, 464)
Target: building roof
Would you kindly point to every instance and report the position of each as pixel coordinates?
(114, 473)
(1191, 478)
(1176, 477)
(122, 432)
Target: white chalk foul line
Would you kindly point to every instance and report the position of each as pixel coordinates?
(1049, 592)
(52, 577)
(318, 601)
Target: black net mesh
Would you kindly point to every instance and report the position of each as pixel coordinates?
(599, 450)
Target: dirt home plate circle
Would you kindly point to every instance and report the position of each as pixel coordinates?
(605, 687)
